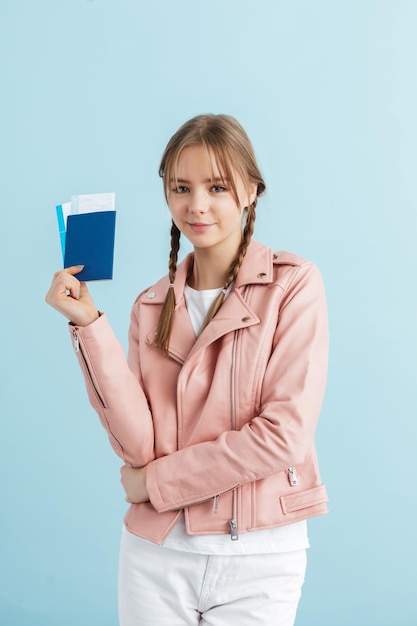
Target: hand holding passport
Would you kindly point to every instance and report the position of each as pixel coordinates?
(87, 229)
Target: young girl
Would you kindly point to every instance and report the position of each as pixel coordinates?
(215, 409)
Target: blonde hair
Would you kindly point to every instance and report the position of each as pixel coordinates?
(229, 146)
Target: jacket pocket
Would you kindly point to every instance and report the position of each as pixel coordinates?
(303, 499)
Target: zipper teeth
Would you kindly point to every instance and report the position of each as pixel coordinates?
(232, 383)
(232, 523)
(232, 373)
(78, 348)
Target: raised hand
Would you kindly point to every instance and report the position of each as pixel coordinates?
(72, 298)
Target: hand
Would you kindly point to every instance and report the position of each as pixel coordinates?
(77, 305)
(133, 480)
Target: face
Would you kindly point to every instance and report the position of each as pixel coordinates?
(203, 205)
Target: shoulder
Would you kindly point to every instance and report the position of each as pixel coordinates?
(282, 257)
(259, 251)
(156, 293)
(292, 270)
(153, 294)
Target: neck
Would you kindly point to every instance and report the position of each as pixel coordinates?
(210, 268)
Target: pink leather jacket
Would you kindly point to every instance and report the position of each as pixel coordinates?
(225, 423)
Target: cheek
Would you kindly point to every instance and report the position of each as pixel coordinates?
(233, 219)
(176, 213)
(174, 205)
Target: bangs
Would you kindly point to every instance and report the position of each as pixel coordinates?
(221, 161)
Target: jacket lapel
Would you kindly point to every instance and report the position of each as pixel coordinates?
(235, 313)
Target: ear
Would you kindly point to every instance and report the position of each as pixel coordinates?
(253, 191)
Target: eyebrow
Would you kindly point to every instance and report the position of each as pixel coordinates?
(207, 180)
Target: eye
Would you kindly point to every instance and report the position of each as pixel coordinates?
(218, 188)
(180, 189)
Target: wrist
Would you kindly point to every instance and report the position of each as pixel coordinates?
(86, 322)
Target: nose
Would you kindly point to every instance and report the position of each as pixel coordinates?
(198, 202)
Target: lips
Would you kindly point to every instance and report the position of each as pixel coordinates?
(199, 228)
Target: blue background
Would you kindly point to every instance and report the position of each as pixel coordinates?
(327, 91)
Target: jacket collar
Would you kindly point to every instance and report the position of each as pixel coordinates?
(256, 268)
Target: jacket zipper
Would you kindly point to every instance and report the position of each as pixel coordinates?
(215, 503)
(78, 349)
(234, 536)
(292, 476)
(232, 523)
(176, 359)
(233, 530)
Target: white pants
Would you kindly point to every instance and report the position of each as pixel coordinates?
(163, 587)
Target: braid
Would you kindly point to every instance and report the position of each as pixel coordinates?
(234, 268)
(173, 256)
(247, 236)
(166, 319)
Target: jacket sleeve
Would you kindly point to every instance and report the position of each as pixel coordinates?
(282, 434)
(114, 391)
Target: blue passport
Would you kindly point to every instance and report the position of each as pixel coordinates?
(89, 241)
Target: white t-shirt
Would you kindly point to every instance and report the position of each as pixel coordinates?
(282, 539)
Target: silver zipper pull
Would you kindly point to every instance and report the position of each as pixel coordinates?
(215, 503)
(75, 341)
(292, 476)
(233, 530)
